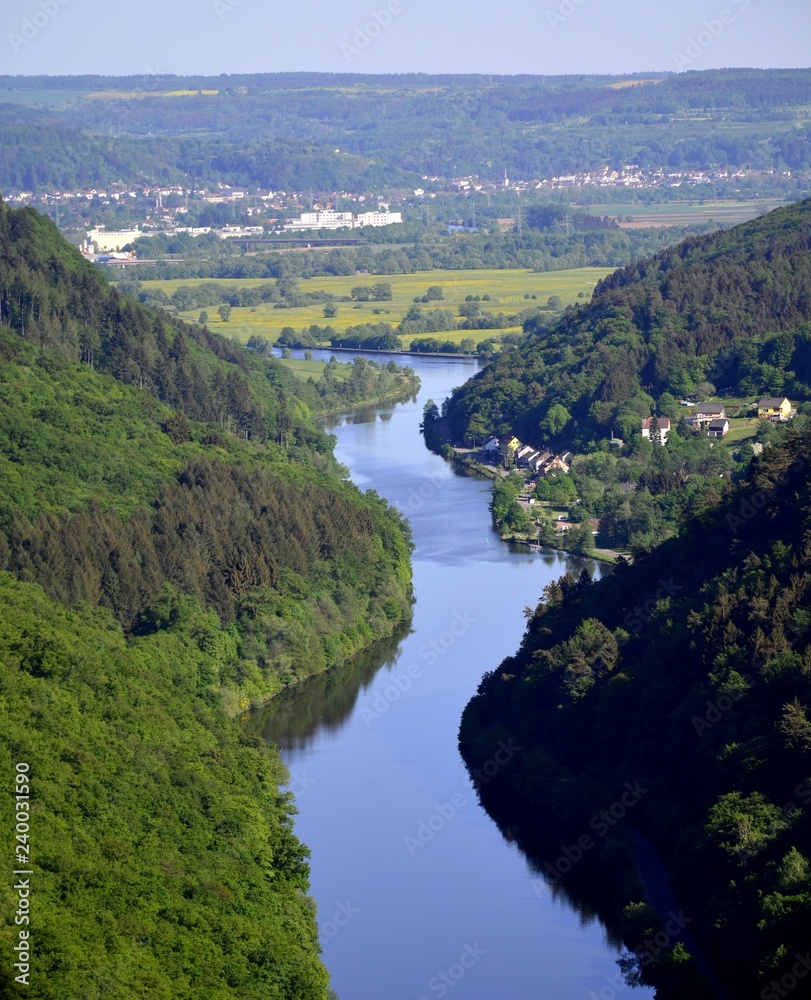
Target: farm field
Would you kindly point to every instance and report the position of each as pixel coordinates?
(686, 213)
(510, 292)
(128, 95)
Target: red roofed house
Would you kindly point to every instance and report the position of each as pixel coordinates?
(664, 428)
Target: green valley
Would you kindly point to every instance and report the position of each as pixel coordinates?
(177, 544)
(685, 674)
(716, 319)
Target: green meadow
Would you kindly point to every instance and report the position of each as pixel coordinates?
(693, 212)
(510, 292)
(315, 369)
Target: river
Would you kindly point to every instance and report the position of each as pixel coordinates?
(419, 895)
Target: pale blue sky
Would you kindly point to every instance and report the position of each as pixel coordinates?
(513, 36)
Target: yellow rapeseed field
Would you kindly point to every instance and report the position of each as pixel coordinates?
(510, 292)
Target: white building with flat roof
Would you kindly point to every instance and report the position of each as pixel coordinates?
(105, 240)
(322, 220)
(378, 219)
(343, 220)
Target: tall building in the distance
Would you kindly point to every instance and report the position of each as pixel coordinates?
(343, 220)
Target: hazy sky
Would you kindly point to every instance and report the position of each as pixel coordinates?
(511, 36)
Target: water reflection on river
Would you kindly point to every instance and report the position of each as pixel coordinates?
(419, 894)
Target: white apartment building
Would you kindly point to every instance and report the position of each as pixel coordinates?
(343, 220)
(378, 219)
(322, 220)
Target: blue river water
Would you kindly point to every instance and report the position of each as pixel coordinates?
(419, 895)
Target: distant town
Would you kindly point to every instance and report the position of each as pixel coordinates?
(159, 209)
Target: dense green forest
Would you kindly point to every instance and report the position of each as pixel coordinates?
(211, 257)
(707, 310)
(236, 495)
(684, 677)
(163, 854)
(728, 313)
(177, 543)
(281, 131)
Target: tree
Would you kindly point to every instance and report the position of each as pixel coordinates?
(556, 419)
(203, 318)
(477, 428)
(430, 412)
(224, 312)
(667, 406)
(557, 487)
(655, 431)
(330, 310)
(308, 355)
(546, 532)
(434, 293)
(286, 352)
(795, 726)
(580, 540)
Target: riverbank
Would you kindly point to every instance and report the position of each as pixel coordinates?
(414, 354)
(469, 460)
(408, 392)
(372, 755)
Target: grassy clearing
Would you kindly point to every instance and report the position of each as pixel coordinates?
(741, 429)
(507, 290)
(315, 369)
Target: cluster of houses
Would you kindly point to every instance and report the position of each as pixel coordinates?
(712, 417)
(513, 452)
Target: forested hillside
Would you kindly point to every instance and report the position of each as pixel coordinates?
(731, 309)
(686, 678)
(176, 544)
(285, 130)
(164, 863)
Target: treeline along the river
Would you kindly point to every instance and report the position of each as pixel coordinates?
(177, 543)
